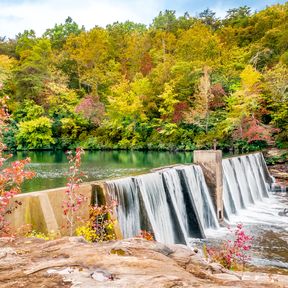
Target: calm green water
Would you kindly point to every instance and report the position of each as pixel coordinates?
(51, 166)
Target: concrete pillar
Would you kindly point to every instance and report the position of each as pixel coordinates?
(211, 164)
(43, 210)
(36, 211)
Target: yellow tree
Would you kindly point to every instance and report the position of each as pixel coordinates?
(276, 84)
(126, 103)
(198, 45)
(168, 101)
(6, 64)
(243, 103)
(90, 51)
(202, 100)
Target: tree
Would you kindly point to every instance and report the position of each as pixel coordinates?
(33, 69)
(202, 102)
(25, 42)
(166, 21)
(238, 16)
(90, 51)
(6, 65)
(243, 104)
(12, 175)
(59, 33)
(35, 134)
(91, 109)
(276, 80)
(198, 45)
(168, 102)
(208, 17)
(28, 110)
(126, 103)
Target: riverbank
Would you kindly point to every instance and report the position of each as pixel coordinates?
(277, 160)
(137, 263)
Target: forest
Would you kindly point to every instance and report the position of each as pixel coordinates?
(181, 83)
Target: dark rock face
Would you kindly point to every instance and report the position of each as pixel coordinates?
(71, 262)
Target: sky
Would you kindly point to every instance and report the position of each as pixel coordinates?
(18, 15)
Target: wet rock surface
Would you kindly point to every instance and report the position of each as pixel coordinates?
(279, 166)
(71, 262)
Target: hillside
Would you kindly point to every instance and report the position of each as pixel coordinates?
(181, 83)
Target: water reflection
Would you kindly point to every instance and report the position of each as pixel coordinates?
(51, 166)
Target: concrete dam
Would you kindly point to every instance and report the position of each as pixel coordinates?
(173, 203)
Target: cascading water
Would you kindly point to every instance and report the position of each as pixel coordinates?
(128, 209)
(247, 199)
(246, 182)
(174, 202)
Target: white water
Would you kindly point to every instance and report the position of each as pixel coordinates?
(126, 194)
(175, 201)
(245, 186)
(175, 205)
(155, 203)
(199, 194)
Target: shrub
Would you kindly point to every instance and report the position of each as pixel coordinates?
(233, 253)
(145, 235)
(100, 226)
(73, 199)
(35, 134)
(12, 175)
(41, 235)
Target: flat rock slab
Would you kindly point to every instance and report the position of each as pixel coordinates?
(133, 263)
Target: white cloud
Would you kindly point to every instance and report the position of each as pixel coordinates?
(40, 15)
(18, 15)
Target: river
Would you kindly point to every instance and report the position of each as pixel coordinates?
(51, 167)
(270, 236)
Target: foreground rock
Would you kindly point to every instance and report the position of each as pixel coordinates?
(133, 263)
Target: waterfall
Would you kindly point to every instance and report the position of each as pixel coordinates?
(246, 182)
(175, 203)
(128, 209)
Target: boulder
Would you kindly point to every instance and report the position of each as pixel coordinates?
(137, 263)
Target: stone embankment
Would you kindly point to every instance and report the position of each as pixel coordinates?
(133, 263)
(278, 166)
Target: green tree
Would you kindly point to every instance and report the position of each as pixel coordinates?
(33, 69)
(59, 33)
(243, 103)
(277, 98)
(208, 17)
(238, 16)
(168, 101)
(35, 134)
(90, 51)
(165, 21)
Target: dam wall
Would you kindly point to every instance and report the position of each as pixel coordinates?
(173, 203)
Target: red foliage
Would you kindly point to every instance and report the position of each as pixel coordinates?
(145, 235)
(91, 108)
(146, 64)
(73, 199)
(12, 175)
(179, 111)
(218, 93)
(101, 222)
(234, 251)
(253, 130)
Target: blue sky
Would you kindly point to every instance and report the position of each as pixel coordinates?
(18, 15)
